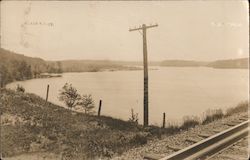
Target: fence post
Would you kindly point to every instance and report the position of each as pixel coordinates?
(100, 108)
(1, 82)
(47, 95)
(164, 121)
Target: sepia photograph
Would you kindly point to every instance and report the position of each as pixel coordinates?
(124, 80)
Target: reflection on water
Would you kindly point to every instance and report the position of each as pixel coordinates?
(176, 91)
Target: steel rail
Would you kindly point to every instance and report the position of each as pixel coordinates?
(211, 145)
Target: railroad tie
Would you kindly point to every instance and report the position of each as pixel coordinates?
(192, 140)
(204, 135)
(174, 148)
(246, 116)
(243, 119)
(231, 124)
(217, 130)
(151, 156)
(237, 121)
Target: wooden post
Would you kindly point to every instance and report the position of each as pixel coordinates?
(1, 83)
(47, 94)
(164, 120)
(100, 107)
(145, 67)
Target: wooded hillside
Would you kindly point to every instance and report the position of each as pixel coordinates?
(16, 67)
(19, 67)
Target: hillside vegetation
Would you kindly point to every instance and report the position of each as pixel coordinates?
(30, 125)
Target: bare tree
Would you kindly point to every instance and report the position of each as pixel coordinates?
(134, 117)
(68, 94)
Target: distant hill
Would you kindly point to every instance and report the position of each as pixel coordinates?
(138, 63)
(182, 63)
(95, 65)
(230, 63)
(241, 63)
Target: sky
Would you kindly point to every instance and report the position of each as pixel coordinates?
(191, 30)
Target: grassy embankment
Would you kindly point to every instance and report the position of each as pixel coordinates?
(28, 125)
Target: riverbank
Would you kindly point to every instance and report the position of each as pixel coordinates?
(30, 127)
(48, 75)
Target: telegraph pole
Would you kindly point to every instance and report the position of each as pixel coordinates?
(144, 28)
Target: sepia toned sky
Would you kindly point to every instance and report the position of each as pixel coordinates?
(194, 30)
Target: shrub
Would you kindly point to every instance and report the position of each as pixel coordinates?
(134, 117)
(20, 88)
(68, 94)
(140, 139)
(87, 103)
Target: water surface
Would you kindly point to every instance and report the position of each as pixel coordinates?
(176, 91)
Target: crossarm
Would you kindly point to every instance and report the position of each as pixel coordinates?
(135, 29)
(142, 27)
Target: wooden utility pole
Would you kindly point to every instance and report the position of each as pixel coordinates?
(144, 28)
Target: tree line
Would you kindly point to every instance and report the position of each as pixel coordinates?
(16, 70)
(17, 67)
(22, 70)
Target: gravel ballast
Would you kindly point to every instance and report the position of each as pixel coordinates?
(168, 144)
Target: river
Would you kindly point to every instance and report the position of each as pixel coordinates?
(174, 90)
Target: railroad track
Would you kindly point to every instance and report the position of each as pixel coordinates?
(237, 151)
(210, 146)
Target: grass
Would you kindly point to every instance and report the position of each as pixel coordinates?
(32, 126)
(212, 115)
(189, 122)
(242, 107)
(209, 116)
(55, 129)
